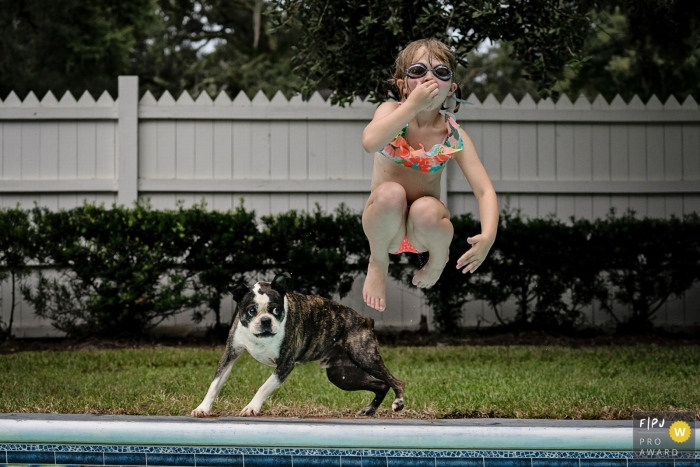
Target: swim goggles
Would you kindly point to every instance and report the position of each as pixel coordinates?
(418, 70)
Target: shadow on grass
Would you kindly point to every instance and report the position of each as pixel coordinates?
(494, 336)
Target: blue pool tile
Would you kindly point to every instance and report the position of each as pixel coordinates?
(218, 460)
(549, 462)
(125, 458)
(316, 461)
(30, 457)
(411, 462)
(374, 462)
(170, 459)
(605, 463)
(80, 458)
(267, 461)
(459, 462)
(506, 462)
(351, 461)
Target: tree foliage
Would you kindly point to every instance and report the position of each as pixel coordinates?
(640, 47)
(643, 48)
(214, 46)
(350, 46)
(68, 44)
(173, 45)
(611, 47)
(494, 71)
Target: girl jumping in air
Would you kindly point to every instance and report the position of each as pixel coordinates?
(412, 141)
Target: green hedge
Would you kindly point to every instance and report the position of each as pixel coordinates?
(553, 270)
(121, 271)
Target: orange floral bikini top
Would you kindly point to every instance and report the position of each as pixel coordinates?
(399, 151)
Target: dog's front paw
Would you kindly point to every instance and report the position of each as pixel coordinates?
(199, 413)
(397, 405)
(249, 411)
(367, 411)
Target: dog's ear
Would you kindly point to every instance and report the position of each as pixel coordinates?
(281, 282)
(238, 291)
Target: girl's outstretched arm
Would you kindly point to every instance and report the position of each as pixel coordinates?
(478, 179)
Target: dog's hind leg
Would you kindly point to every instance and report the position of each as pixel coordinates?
(342, 372)
(223, 370)
(363, 349)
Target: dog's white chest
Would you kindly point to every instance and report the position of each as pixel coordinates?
(266, 350)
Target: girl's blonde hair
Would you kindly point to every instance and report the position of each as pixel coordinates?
(434, 48)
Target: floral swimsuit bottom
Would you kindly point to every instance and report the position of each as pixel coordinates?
(399, 151)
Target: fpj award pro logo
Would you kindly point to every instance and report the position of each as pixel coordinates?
(664, 436)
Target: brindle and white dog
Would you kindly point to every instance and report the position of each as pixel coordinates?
(280, 329)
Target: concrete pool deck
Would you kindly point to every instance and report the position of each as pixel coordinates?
(112, 440)
(492, 433)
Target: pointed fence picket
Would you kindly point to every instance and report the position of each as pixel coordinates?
(565, 158)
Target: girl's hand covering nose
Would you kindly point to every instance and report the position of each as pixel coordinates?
(423, 96)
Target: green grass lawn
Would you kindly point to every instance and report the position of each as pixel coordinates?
(460, 381)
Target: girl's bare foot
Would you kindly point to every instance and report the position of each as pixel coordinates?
(429, 275)
(374, 290)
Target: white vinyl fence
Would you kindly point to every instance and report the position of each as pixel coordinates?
(568, 159)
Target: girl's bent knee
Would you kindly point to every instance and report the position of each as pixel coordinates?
(390, 194)
(428, 209)
(391, 189)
